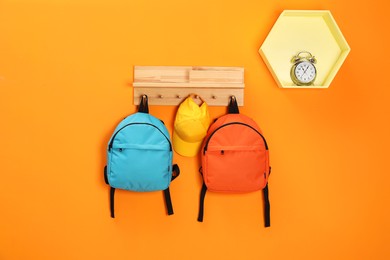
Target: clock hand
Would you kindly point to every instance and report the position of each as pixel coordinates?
(305, 70)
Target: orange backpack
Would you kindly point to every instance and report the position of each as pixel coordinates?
(235, 158)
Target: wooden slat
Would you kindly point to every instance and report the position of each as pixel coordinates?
(187, 85)
(169, 85)
(216, 76)
(161, 75)
(186, 74)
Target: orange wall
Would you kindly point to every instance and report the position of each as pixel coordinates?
(65, 82)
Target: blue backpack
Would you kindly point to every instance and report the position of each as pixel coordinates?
(139, 156)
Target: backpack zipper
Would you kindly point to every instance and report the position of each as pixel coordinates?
(113, 137)
(233, 123)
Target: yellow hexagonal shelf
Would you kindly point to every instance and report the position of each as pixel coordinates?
(314, 31)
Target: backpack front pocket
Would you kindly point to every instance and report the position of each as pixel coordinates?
(235, 168)
(140, 167)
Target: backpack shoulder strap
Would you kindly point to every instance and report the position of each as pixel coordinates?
(201, 202)
(168, 201)
(112, 195)
(167, 194)
(267, 217)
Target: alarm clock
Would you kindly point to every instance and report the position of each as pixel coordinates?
(303, 71)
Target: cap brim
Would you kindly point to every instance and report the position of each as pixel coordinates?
(188, 149)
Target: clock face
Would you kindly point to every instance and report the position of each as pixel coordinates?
(305, 72)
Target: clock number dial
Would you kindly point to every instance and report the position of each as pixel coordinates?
(305, 72)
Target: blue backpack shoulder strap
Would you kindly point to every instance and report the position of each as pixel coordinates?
(167, 194)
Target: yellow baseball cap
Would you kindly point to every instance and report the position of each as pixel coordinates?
(191, 124)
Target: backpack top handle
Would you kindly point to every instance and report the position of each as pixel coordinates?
(233, 106)
(143, 105)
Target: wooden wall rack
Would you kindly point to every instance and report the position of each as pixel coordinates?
(170, 85)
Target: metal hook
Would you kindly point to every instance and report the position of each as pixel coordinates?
(196, 96)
